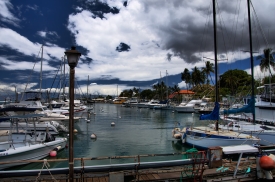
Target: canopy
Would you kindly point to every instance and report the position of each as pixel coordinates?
(249, 108)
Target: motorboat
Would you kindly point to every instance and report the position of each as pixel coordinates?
(189, 107)
(17, 148)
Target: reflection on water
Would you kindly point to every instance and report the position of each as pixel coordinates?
(136, 132)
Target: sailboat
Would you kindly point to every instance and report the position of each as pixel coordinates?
(263, 109)
(205, 136)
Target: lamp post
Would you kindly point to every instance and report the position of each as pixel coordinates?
(72, 57)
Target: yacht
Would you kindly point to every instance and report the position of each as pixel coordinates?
(152, 103)
(119, 100)
(189, 107)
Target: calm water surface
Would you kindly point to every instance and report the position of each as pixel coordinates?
(136, 132)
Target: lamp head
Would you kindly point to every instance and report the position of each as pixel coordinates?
(72, 56)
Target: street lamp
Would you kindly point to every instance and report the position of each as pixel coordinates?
(72, 57)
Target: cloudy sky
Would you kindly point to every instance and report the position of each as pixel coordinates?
(126, 44)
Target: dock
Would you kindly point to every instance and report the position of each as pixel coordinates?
(194, 166)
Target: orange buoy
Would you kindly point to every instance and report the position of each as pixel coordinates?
(53, 153)
(267, 163)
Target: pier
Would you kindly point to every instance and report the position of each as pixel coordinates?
(194, 166)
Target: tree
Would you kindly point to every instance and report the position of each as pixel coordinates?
(267, 61)
(208, 69)
(198, 77)
(186, 76)
(235, 81)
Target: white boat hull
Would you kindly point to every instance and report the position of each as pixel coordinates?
(204, 142)
(29, 152)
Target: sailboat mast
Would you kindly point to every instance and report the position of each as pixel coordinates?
(251, 57)
(64, 78)
(216, 61)
(215, 50)
(166, 86)
(41, 73)
(88, 88)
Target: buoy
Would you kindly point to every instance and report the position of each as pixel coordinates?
(75, 130)
(112, 123)
(267, 163)
(93, 136)
(53, 153)
(177, 136)
(88, 121)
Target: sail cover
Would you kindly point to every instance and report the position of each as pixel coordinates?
(249, 108)
(214, 115)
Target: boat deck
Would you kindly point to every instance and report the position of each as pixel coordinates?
(208, 130)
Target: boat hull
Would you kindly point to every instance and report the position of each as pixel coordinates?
(29, 152)
(203, 142)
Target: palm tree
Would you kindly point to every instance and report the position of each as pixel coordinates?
(198, 77)
(267, 61)
(209, 68)
(186, 76)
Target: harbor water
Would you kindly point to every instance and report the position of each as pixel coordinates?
(136, 132)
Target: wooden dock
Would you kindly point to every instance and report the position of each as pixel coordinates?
(192, 167)
(175, 173)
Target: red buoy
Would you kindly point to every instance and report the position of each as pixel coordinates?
(53, 153)
(267, 163)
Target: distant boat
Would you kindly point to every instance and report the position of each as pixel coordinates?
(119, 100)
(189, 107)
(151, 104)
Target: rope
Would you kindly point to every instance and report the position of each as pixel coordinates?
(46, 164)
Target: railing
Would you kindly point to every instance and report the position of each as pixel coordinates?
(190, 165)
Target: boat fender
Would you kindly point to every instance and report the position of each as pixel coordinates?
(57, 148)
(267, 163)
(53, 153)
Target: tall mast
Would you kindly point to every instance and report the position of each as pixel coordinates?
(60, 81)
(166, 86)
(41, 72)
(215, 50)
(64, 78)
(216, 61)
(88, 88)
(251, 57)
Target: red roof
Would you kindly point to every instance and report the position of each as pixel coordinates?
(180, 92)
(186, 92)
